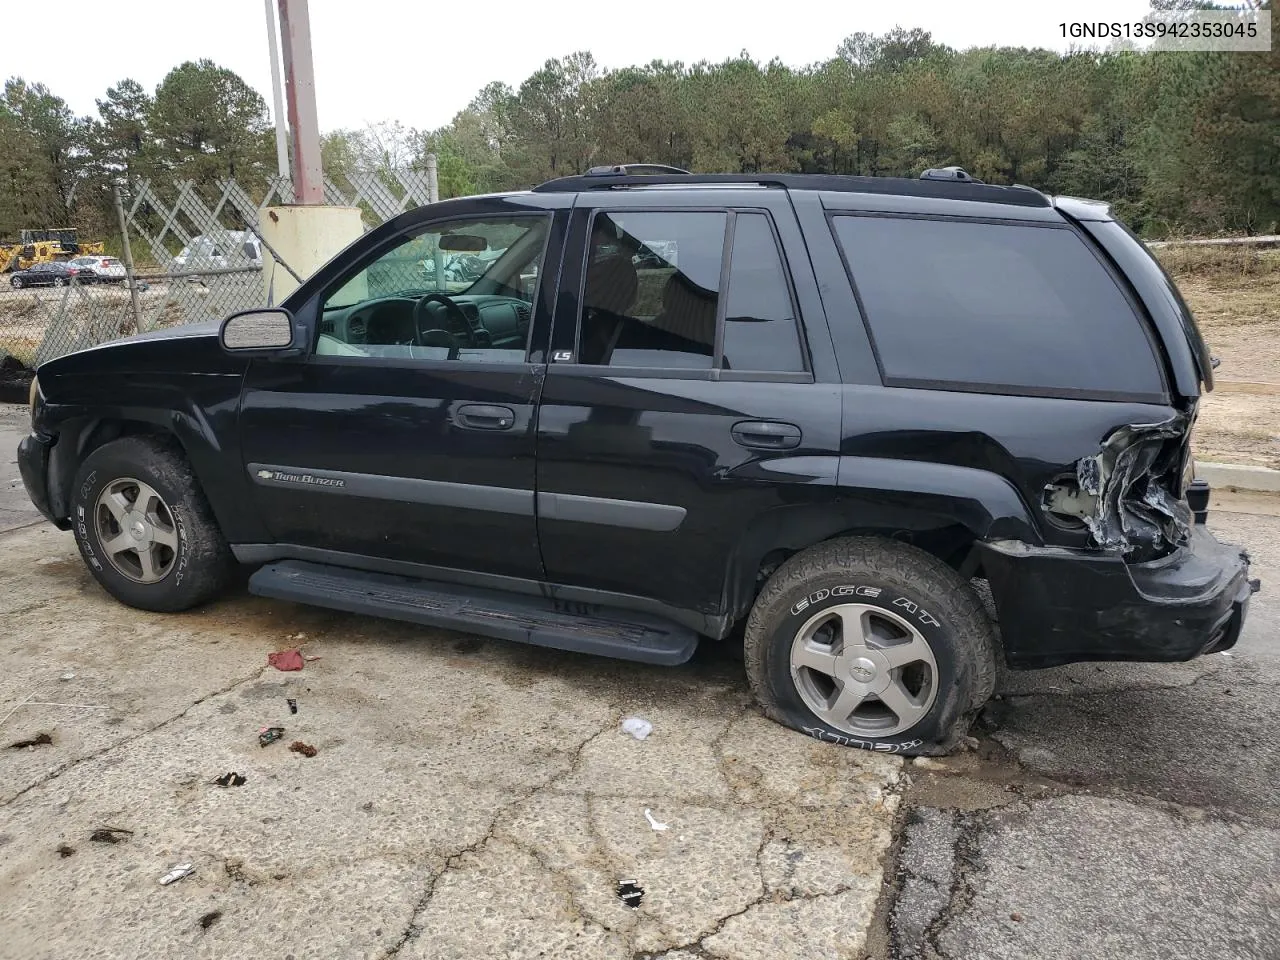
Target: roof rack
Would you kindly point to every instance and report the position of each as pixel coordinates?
(635, 170)
(942, 187)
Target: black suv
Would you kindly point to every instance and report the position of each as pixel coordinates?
(818, 416)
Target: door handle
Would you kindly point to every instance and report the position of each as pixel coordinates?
(766, 434)
(484, 416)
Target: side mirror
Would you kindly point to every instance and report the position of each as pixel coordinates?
(267, 331)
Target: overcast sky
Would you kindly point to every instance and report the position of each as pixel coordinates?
(421, 62)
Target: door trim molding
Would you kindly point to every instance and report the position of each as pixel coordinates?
(633, 514)
(604, 511)
(438, 493)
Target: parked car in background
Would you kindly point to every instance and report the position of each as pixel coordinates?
(99, 269)
(55, 274)
(234, 248)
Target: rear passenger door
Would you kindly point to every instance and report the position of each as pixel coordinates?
(681, 387)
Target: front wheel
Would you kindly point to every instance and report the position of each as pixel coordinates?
(144, 528)
(16, 283)
(871, 643)
(59, 282)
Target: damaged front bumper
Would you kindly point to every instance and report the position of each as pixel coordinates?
(1062, 605)
(33, 465)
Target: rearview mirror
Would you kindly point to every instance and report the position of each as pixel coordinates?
(268, 329)
(463, 243)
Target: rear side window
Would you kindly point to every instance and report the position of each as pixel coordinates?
(759, 322)
(1002, 307)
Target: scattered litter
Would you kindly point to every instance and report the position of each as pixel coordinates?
(637, 727)
(293, 705)
(231, 779)
(285, 659)
(652, 822)
(1015, 917)
(210, 918)
(298, 637)
(630, 893)
(928, 763)
(69, 675)
(39, 740)
(72, 706)
(1225, 653)
(64, 850)
(269, 735)
(311, 657)
(110, 835)
(303, 748)
(177, 873)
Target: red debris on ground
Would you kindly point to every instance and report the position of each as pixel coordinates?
(303, 748)
(286, 659)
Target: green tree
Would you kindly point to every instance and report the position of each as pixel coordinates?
(208, 123)
(120, 139)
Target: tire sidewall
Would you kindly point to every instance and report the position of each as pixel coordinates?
(795, 607)
(102, 468)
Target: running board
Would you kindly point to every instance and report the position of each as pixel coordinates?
(612, 632)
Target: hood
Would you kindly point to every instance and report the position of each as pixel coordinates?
(191, 348)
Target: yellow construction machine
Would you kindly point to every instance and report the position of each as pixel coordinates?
(42, 246)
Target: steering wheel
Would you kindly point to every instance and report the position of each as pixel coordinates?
(459, 326)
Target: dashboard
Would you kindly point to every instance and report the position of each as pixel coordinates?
(494, 322)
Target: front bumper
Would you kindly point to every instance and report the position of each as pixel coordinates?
(33, 464)
(1060, 605)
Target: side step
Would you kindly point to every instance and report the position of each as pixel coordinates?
(624, 634)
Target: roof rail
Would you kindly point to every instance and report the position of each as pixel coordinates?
(946, 189)
(634, 170)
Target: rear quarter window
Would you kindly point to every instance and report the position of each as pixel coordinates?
(1007, 308)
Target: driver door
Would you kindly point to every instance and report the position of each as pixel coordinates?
(405, 440)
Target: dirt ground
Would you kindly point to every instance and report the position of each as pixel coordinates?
(1235, 297)
(467, 799)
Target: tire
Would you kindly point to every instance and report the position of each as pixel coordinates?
(931, 640)
(16, 283)
(187, 559)
(59, 282)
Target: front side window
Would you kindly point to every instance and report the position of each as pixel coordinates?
(653, 294)
(998, 307)
(461, 290)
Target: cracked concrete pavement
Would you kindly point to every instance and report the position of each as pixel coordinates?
(1113, 810)
(469, 797)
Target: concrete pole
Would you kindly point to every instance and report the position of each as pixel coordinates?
(277, 94)
(300, 88)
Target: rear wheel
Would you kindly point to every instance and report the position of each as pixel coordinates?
(871, 643)
(59, 282)
(144, 528)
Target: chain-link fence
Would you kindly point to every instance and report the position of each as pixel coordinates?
(197, 255)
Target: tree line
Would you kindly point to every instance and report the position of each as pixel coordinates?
(1179, 142)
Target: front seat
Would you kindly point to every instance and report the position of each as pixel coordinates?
(612, 284)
